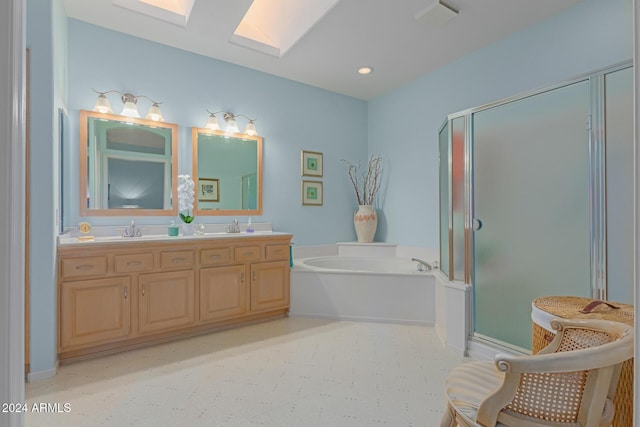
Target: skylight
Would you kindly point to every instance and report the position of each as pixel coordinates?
(274, 26)
(173, 11)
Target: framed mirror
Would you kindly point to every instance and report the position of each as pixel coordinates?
(227, 171)
(127, 166)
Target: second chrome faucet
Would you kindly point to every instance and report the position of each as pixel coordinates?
(233, 227)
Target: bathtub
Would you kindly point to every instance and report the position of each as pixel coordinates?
(381, 289)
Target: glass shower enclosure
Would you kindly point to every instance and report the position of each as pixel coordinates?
(523, 200)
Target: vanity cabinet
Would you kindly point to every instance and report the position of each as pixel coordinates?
(96, 311)
(165, 301)
(269, 285)
(223, 293)
(124, 294)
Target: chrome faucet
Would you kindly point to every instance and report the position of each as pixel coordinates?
(234, 227)
(132, 231)
(422, 265)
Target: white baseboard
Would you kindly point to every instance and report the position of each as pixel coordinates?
(483, 350)
(362, 319)
(42, 375)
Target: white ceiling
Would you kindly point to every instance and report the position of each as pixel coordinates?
(379, 33)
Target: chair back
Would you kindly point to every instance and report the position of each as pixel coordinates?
(569, 381)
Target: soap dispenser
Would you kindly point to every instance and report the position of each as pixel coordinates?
(173, 229)
(250, 227)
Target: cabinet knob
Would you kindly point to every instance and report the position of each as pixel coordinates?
(133, 263)
(84, 267)
(142, 290)
(179, 259)
(241, 277)
(254, 276)
(126, 292)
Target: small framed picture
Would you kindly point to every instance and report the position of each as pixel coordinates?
(311, 193)
(311, 163)
(208, 190)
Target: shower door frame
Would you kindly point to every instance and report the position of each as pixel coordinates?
(595, 125)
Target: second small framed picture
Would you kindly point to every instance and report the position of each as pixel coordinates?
(311, 193)
(311, 163)
(208, 190)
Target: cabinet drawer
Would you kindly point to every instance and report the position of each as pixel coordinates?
(84, 267)
(176, 259)
(215, 256)
(246, 253)
(276, 252)
(133, 262)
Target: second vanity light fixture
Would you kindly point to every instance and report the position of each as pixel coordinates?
(130, 108)
(232, 126)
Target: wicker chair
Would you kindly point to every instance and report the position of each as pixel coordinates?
(571, 382)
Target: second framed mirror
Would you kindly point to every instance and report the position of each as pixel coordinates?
(227, 171)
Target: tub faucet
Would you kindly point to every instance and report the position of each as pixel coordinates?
(132, 231)
(422, 265)
(234, 227)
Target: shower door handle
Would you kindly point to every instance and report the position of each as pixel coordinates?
(476, 224)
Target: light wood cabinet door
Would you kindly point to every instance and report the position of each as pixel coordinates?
(94, 312)
(165, 301)
(223, 292)
(269, 285)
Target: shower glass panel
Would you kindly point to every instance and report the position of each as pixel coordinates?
(457, 199)
(443, 142)
(531, 195)
(619, 184)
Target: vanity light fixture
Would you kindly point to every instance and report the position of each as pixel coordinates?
(102, 104)
(212, 122)
(232, 124)
(251, 129)
(130, 108)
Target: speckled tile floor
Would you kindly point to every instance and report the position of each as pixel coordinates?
(286, 372)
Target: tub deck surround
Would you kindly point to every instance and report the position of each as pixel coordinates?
(116, 294)
(376, 249)
(365, 288)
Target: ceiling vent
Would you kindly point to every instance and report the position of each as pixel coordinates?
(436, 14)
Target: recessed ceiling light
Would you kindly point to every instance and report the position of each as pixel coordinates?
(365, 70)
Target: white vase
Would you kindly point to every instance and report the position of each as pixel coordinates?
(365, 221)
(187, 229)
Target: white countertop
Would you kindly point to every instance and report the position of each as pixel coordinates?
(153, 233)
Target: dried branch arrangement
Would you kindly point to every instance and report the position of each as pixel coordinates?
(368, 184)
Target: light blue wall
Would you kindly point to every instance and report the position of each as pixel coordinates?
(290, 116)
(46, 40)
(588, 36)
